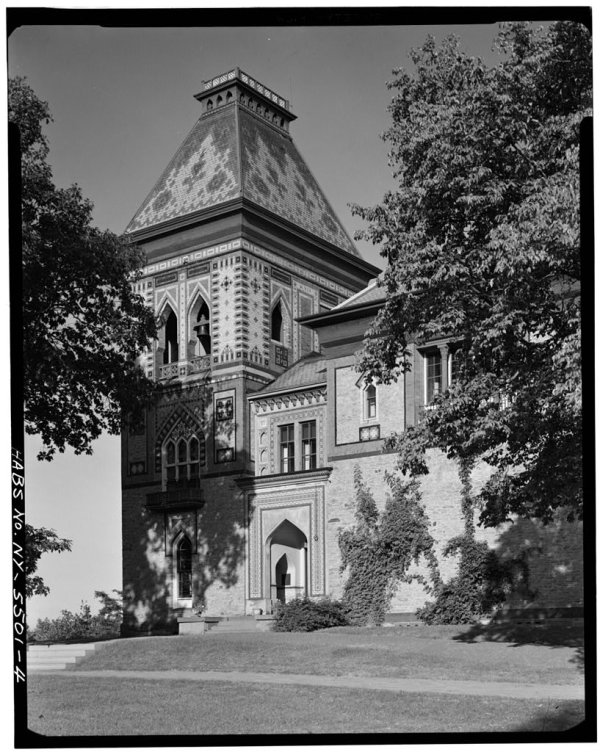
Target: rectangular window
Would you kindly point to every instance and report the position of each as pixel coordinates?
(286, 449)
(433, 376)
(309, 445)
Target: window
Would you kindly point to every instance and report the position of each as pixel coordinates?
(202, 346)
(184, 568)
(433, 376)
(309, 445)
(286, 449)
(370, 402)
(276, 323)
(171, 351)
(183, 458)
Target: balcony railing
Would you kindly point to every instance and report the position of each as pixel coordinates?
(199, 364)
(169, 371)
(182, 494)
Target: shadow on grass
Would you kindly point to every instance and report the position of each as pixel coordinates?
(558, 635)
(566, 716)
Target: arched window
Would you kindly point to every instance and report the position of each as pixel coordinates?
(202, 345)
(209, 105)
(171, 349)
(219, 100)
(276, 323)
(228, 97)
(184, 568)
(370, 402)
(184, 457)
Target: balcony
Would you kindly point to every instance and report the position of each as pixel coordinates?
(182, 494)
(200, 364)
(170, 371)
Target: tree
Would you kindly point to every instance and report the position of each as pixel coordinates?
(39, 541)
(481, 236)
(83, 324)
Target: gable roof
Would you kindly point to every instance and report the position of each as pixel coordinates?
(233, 153)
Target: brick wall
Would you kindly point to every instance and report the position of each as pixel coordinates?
(218, 535)
(553, 553)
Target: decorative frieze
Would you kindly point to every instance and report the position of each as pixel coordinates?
(271, 403)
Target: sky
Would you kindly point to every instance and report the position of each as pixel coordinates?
(122, 102)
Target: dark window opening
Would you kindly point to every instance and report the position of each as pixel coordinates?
(202, 329)
(171, 352)
(184, 568)
(276, 323)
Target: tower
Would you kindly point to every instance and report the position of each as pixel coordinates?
(240, 243)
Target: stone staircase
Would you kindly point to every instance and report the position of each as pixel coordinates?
(58, 656)
(224, 624)
(234, 624)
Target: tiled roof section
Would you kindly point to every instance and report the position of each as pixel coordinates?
(307, 371)
(372, 293)
(203, 173)
(276, 177)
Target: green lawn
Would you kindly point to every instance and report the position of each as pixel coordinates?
(69, 705)
(413, 652)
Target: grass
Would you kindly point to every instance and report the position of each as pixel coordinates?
(414, 652)
(67, 705)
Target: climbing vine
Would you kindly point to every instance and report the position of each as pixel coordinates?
(380, 548)
(482, 581)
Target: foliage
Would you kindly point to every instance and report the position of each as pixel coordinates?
(379, 550)
(481, 236)
(305, 615)
(38, 541)
(482, 581)
(83, 625)
(83, 325)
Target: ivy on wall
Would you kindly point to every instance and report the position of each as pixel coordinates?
(380, 548)
(482, 581)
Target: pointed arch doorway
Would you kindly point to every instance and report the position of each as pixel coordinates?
(286, 568)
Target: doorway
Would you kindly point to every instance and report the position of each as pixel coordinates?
(286, 550)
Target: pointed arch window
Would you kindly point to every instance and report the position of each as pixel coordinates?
(184, 568)
(202, 345)
(171, 349)
(184, 457)
(277, 323)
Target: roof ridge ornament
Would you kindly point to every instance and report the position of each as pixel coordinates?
(236, 86)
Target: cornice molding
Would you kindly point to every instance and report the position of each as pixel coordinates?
(291, 397)
(301, 478)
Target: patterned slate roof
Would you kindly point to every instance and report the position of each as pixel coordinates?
(307, 371)
(277, 178)
(206, 172)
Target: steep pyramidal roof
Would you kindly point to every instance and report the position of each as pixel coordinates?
(240, 149)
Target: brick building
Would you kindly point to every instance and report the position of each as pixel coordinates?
(236, 487)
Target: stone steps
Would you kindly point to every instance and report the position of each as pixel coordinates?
(57, 657)
(234, 624)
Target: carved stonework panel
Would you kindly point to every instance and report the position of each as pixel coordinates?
(224, 426)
